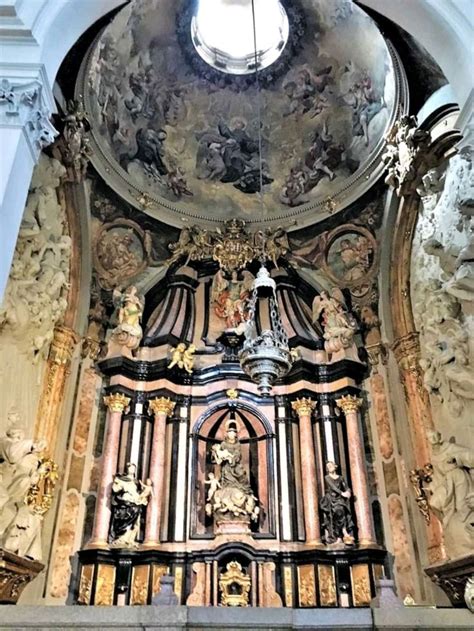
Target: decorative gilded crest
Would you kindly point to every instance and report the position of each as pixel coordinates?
(233, 251)
(234, 585)
(41, 492)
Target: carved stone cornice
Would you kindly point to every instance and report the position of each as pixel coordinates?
(27, 102)
(303, 406)
(116, 401)
(349, 403)
(161, 405)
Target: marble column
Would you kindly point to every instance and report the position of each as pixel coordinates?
(116, 403)
(161, 407)
(350, 404)
(304, 407)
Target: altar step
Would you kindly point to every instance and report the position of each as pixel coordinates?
(20, 618)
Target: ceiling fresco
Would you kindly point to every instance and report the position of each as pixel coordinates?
(188, 138)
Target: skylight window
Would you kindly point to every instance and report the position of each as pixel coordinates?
(223, 33)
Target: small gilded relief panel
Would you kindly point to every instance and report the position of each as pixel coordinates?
(288, 585)
(105, 585)
(140, 579)
(158, 572)
(327, 586)
(360, 585)
(306, 586)
(85, 586)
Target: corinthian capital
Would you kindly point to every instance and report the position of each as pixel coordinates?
(161, 405)
(27, 102)
(116, 402)
(349, 403)
(303, 407)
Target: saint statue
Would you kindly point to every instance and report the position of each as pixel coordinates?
(452, 492)
(230, 297)
(128, 333)
(230, 495)
(338, 324)
(129, 496)
(336, 508)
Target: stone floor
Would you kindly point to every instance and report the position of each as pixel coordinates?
(20, 618)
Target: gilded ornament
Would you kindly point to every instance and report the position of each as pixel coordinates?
(303, 406)
(361, 594)
(116, 402)
(41, 493)
(62, 345)
(105, 585)
(234, 585)
(85, 585)
(140, 576)
(327, 586)
(306, 586)
(419, 478)
(288, 585)
(178, 582)
(349, 403)
(161, 405)
(232, 393)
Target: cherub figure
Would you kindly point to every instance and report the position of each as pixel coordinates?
(183, 357)
(213, 484)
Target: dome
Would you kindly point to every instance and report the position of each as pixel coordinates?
(179, 138)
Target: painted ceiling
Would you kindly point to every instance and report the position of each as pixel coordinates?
(180, 140)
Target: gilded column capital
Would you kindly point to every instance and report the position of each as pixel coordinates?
(116, 402)
(161, 405)
(62, 345)
(303, 406)
(349, 403)
(406, 349)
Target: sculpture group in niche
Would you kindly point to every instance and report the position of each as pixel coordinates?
(129, 497)
(337, 523)
(22, 502)
(35, 297)
(452, 493)
(230, 497)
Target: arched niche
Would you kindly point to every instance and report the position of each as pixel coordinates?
(256, 437)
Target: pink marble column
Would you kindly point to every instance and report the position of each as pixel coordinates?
(161, 408)
(116, 403)
(304, 408)
(360, 487)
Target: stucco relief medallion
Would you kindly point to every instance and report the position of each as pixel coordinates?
(121, 252)
(351, 258)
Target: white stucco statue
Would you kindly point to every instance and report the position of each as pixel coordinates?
(20, 471)
(452, 493)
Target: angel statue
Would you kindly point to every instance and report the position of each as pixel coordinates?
(183, 357)
(230, 297)
(338, 324)
(128, 333)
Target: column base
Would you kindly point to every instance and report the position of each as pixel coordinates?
(98, 544)
(316, 543)
(369, 543)
(150, 544)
